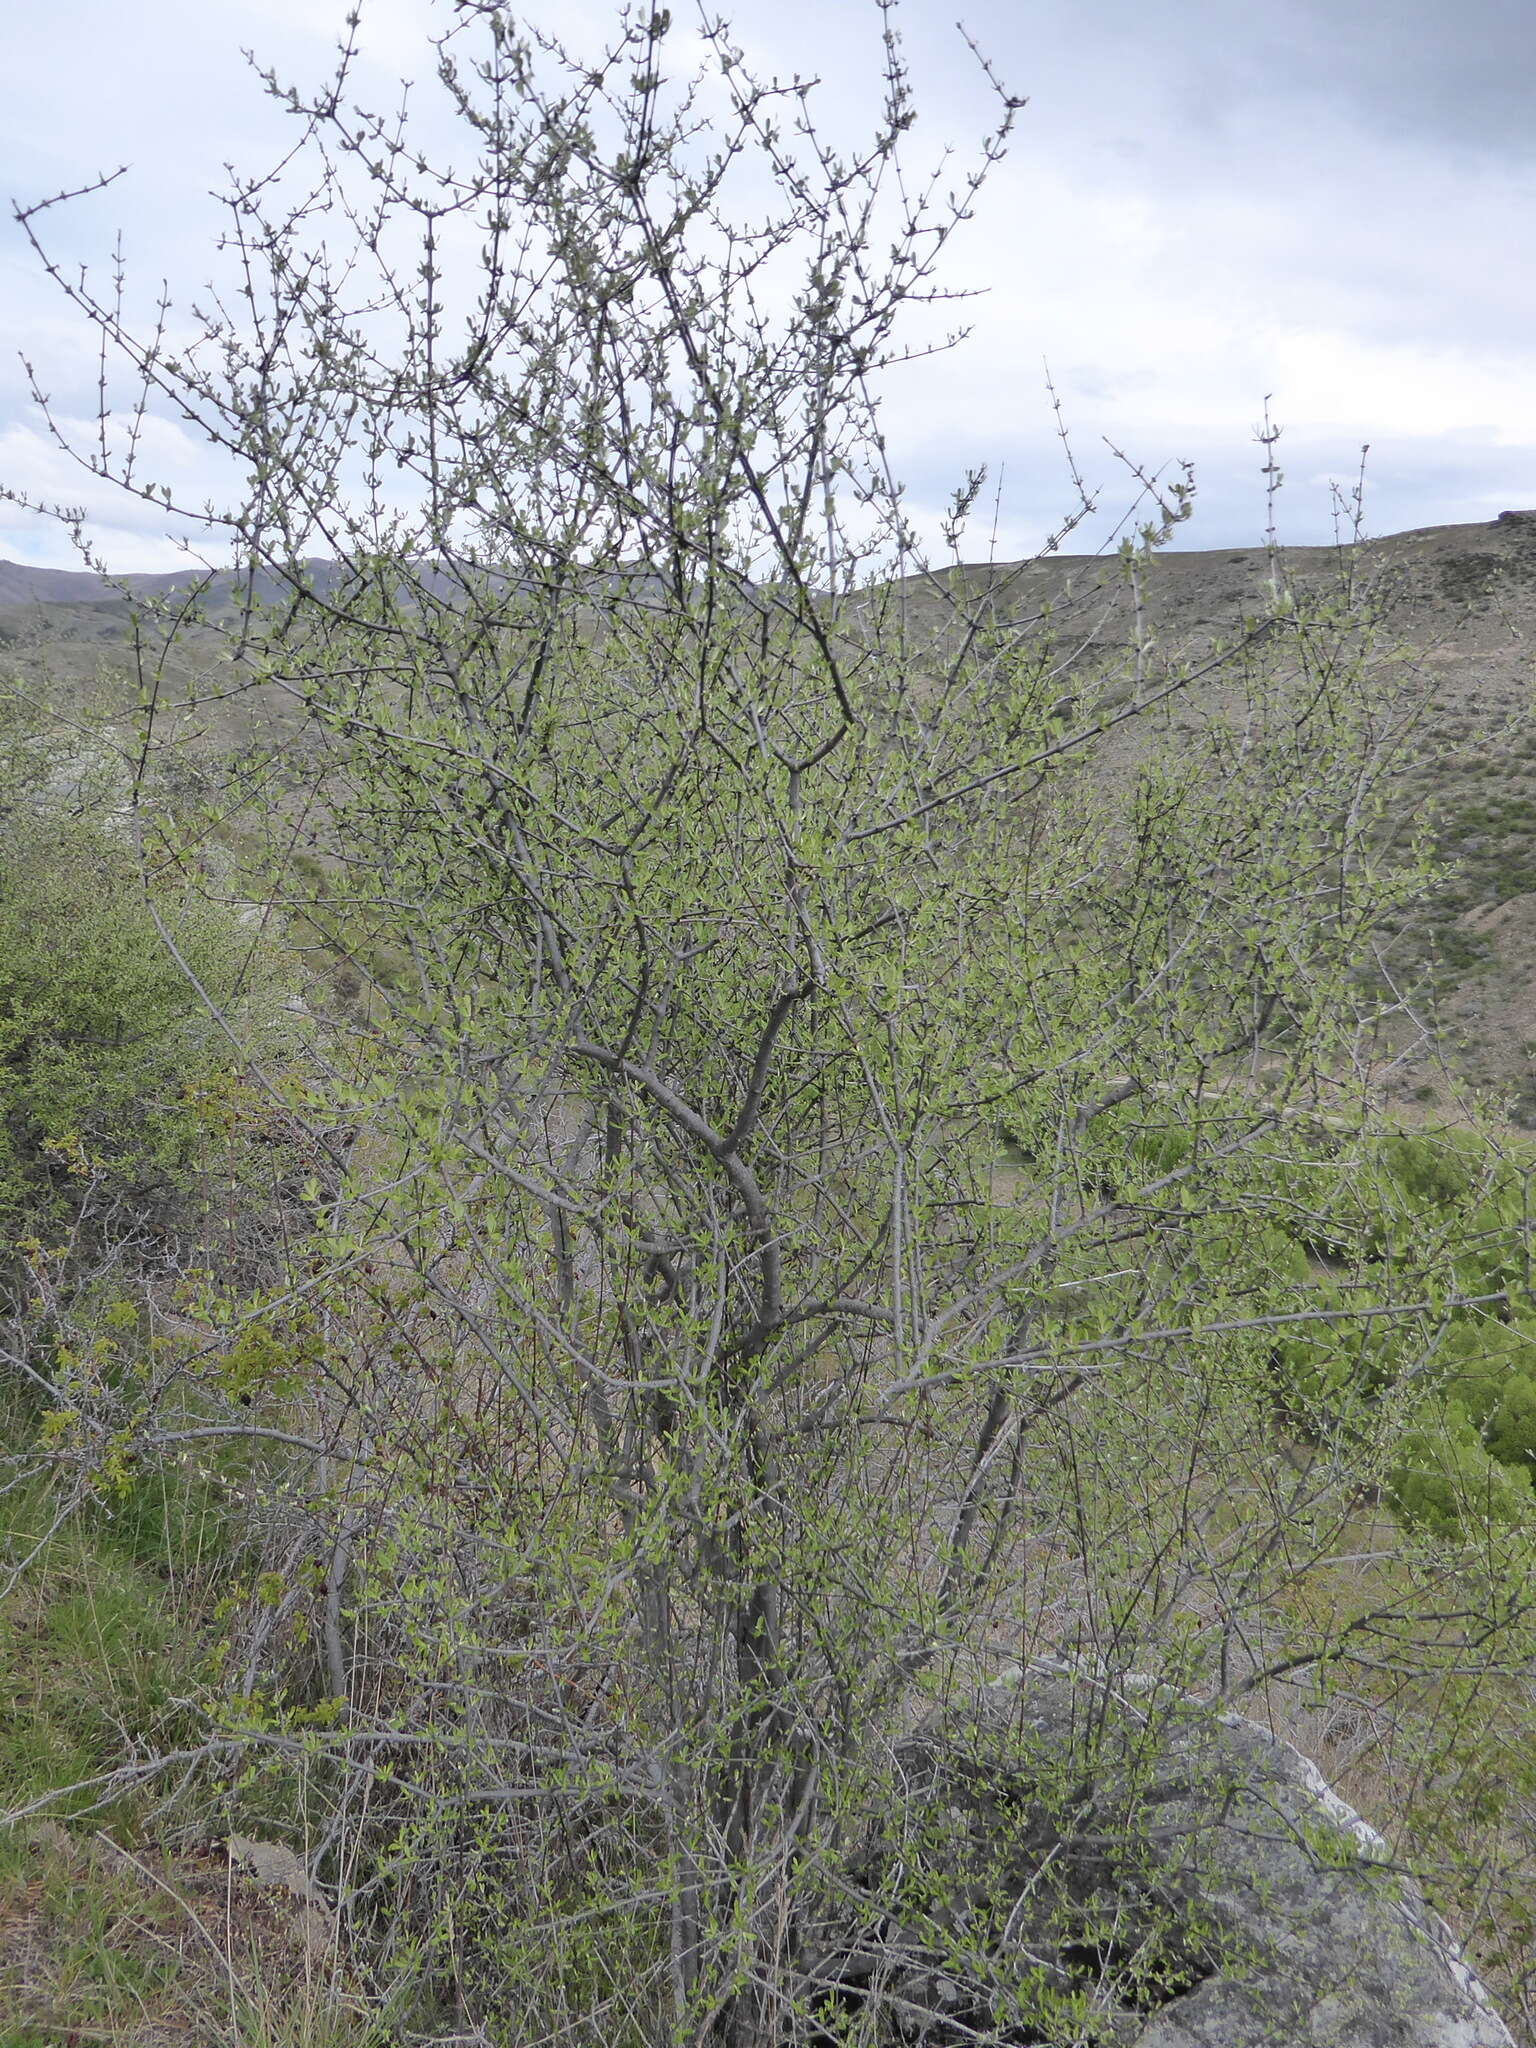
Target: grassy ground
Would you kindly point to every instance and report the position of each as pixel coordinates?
(119, 1925)
(147, 1949)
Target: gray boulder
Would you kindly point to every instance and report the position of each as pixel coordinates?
(1076, 1862)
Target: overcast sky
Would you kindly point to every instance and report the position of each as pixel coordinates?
(1332, 201)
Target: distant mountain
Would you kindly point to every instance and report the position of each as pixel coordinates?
(22, 583)
(1188, 568)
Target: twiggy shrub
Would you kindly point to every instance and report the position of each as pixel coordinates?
(703, 1393)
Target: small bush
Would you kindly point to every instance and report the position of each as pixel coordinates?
(1445, 1481)
(120, 1093)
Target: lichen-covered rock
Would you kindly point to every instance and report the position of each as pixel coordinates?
(1075, 1862)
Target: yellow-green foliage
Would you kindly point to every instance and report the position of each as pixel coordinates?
(112, 1070)
(1480, 1358)
(1446, 1481)
(1400, 1265)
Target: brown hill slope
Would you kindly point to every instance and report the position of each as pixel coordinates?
(1459, 602)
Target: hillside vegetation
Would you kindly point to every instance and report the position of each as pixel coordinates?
(1457, 605)
(641, 1143)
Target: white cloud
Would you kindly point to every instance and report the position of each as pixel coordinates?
(131, 532)
(1189, 220)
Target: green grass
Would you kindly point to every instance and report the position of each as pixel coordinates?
(91, 1656)
(103, 1643)
(94, 1949)
(103, 1634)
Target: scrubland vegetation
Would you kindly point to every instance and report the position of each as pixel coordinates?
(680, 1174)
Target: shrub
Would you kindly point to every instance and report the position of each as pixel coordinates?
(117, 1084)
(719, 1404)
(1510, 1431)
(1447, 1482)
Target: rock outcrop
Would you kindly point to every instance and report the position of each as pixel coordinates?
(1136, 1868)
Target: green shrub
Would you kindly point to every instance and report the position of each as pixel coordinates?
(116, 1083)
(1433, 1170)
(1476, 1358)
(1445, 1480)
(1510, 1431)
(1161, 1150)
